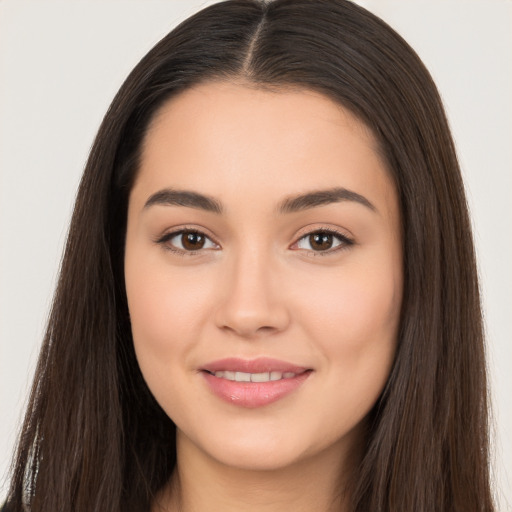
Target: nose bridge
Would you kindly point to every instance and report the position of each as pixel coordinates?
(251, 301)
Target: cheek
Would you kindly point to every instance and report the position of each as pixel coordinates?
(166, 308)
(355, 301)
(353, 317)
(354, 323)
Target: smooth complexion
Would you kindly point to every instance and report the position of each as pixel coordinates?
(249, 273)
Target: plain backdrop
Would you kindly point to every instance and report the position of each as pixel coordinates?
(61, 63)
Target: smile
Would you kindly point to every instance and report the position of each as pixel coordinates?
(253, 383)
(254, 377)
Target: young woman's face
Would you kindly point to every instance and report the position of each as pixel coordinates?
(264, 273)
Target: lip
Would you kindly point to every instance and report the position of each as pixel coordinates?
(253, 394)
(259, 365)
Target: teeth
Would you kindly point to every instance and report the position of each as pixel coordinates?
(242, 377)
(260, 377)
(254, 377)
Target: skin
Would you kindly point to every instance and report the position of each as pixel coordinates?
(259, 288)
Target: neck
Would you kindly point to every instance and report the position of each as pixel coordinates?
(200, 483)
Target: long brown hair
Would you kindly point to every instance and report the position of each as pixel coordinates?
(94, 438)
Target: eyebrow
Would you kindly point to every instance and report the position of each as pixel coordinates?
(190, 199)
(322, 198)
(171, 197)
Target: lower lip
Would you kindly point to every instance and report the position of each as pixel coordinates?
(253, 394)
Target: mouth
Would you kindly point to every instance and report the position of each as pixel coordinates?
(254, 377)
(253, 383)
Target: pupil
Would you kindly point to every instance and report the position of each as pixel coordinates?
(192, 240)
(321, 241)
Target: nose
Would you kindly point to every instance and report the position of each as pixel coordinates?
(252, 302)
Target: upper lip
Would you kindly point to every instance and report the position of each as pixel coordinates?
(259, 365)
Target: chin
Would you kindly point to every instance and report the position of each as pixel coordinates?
(257, 450)
(259, 457)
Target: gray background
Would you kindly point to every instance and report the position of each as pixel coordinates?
(61, 63)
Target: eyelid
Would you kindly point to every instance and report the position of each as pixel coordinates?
(345, 239)
(169, 235)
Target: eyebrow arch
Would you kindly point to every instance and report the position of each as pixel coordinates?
(322, 198)
(171, 197)
(190, 199)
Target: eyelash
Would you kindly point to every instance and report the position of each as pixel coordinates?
(345, 242)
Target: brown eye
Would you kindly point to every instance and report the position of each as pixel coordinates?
(187, 241)
(323, 241)
(192, 241)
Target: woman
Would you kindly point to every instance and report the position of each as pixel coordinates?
(269, 296)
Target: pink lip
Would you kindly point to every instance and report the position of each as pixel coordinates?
(253, 394)
(259, 365)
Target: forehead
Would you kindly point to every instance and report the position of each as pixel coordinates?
(232, 140)
(273, 111)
